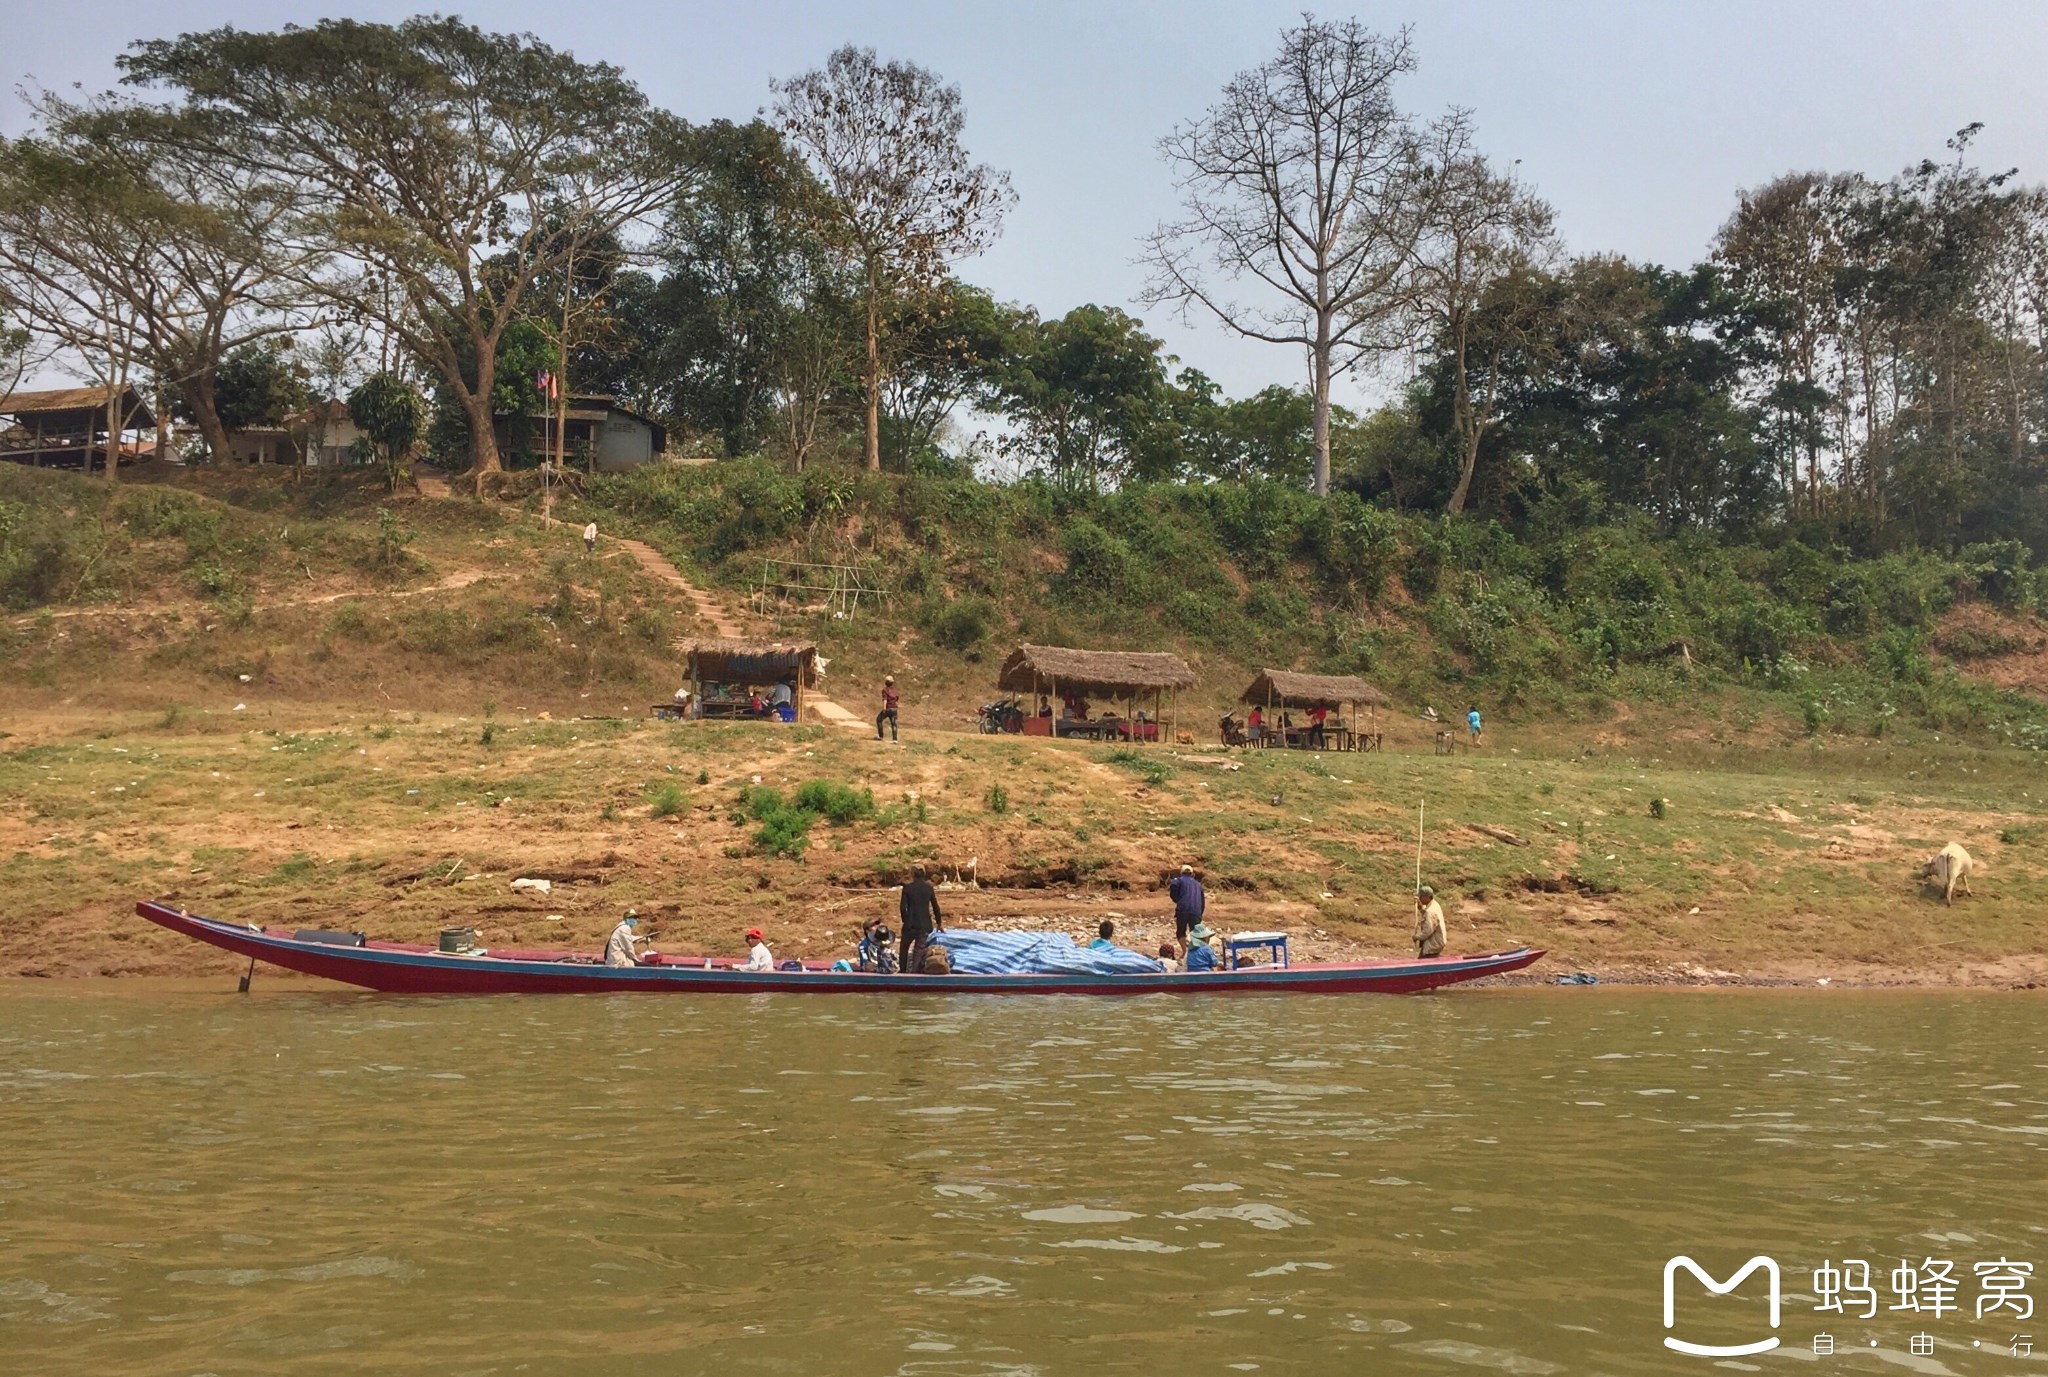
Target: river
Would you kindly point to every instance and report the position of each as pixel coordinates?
(315, 1181)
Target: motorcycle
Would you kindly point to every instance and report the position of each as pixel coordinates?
(1003, 715)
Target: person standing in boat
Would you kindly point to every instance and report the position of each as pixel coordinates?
(918, 916)
(619, 947)
(759, 958)
(1430, 933)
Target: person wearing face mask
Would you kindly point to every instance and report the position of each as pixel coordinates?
(619, 947)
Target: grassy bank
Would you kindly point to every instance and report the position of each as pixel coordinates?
(1765, 864)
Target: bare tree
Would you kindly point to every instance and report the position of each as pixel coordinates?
(903, 197)
(1305, 181)
(453, 167)
(1484, 234)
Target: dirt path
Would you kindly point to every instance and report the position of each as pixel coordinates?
(713, 614)
(431, 484)
(657, 564)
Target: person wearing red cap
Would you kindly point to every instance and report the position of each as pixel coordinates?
(759, 958)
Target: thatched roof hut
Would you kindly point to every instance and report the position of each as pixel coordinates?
(1102, 673)
(1333, 691)
(745, 660)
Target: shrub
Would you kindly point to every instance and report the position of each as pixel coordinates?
(785, 832)
(1097, 562)
(663, 801)
(838, 804)
(961, 625)
(996, 800)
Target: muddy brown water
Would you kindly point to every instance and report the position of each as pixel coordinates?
(313, 1181)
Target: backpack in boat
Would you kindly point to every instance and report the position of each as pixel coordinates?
(937, 961)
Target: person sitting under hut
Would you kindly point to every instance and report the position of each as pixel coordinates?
(1201, 949)
(1075, 706)
(759, 958)
(1044, 706)
(1105, 937)
(619, 947)
(1429, 923)
(782, 701)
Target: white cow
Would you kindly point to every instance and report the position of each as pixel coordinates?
(1951, 868)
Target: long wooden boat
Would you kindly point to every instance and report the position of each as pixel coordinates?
(400, 968)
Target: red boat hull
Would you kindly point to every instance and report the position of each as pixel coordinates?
(397, 968)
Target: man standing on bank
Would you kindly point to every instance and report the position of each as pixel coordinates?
(1429, 923)
(918, 916)
(590, 539)
(891, 701)
(1189, 902)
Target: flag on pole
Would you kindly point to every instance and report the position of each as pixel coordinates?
(544, 382)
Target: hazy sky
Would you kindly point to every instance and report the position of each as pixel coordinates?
(1638, 121)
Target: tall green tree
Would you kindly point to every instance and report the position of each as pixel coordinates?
(743, 263)
(446, 170)
(392, 416)
(1085, 395)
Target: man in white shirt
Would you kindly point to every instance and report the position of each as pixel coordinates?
(759, 958)
(590, 538)
(618, 949)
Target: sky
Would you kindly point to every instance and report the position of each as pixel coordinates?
(1639, 121)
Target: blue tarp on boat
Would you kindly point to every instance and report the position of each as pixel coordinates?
(1037, 953)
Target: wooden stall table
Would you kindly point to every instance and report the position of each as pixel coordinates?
(1369, 741)
(668, 712)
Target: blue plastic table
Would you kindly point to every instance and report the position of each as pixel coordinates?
(1274, 944)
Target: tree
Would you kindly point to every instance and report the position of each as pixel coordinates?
(903, 196)
(1481, 240)
(1085, 394)
(110, 223)
(259, 385)
(743, 262)
(950, 343)
(1270, 434)
(452, 168)
(1306, 180)
(390, 413)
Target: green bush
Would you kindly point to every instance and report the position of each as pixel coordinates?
(664, 800)
(838, 804)
(1098, 563)
(961, 625)
(996, 800)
